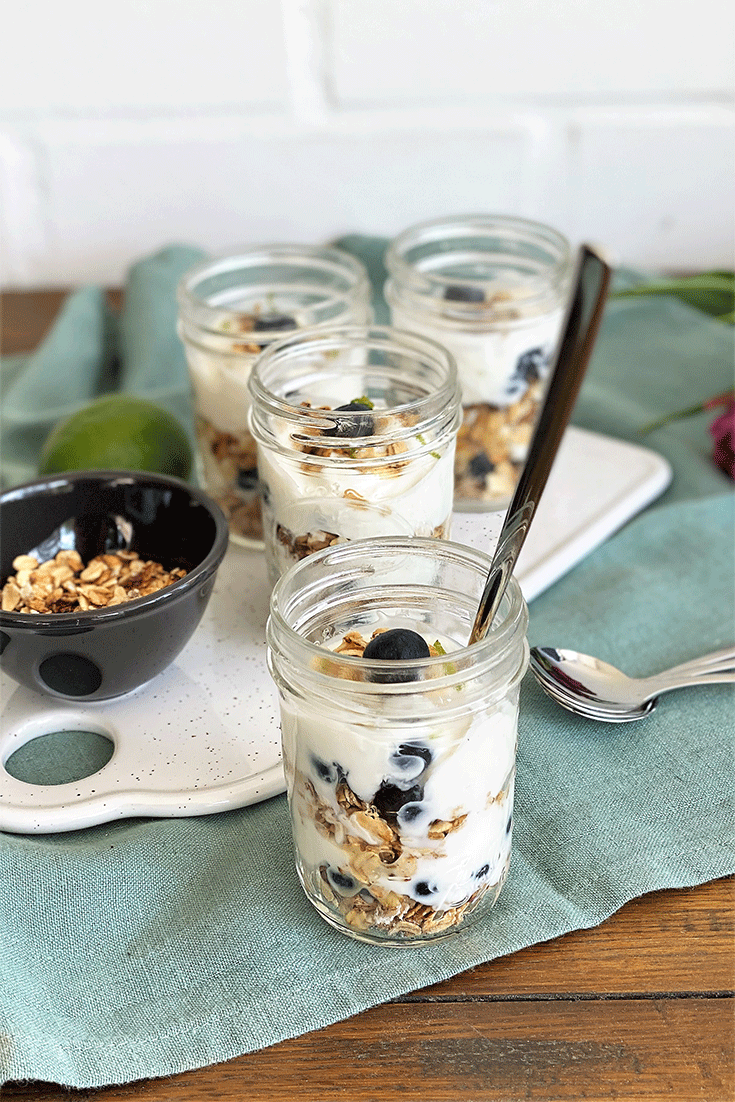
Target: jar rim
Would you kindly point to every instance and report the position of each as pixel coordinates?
(540, 253)
(329, 258)
(294, 590)
(440, 404)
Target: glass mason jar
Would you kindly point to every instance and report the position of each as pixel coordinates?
(400, 772)
(230, 309)
(492, 289)
(355, 431)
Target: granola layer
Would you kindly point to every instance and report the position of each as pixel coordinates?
(231, 477)
(401, 833)
(492, 445)
(322, 486)
(298, 547)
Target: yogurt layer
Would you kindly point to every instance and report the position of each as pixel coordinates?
(227, 456)
(220, 385)
(493, 365)
(402, 818)
(502, 371)
(352, 492)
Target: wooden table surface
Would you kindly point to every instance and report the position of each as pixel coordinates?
(640, 1007)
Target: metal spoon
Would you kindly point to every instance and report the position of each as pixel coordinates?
(595, 689)
(581, 324)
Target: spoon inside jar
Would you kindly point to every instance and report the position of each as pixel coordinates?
(578, 335)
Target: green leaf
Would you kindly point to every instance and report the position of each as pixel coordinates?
(712, 293)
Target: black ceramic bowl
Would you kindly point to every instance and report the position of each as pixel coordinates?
(106, 652)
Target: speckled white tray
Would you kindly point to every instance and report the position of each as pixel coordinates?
(203, 736)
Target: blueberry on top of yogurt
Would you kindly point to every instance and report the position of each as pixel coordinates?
(456, 292)
(266, 322)
(352, 426)
(410, 812)
(394, 646)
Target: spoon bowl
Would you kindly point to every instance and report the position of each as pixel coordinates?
(590, 687)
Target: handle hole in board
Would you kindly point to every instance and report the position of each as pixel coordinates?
(60, 757)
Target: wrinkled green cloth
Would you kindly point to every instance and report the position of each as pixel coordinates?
(91, 351)
(148, 947)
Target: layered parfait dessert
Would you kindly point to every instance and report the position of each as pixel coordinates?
(491, 290)
(399, 741)
(230, 310)
(355, 435)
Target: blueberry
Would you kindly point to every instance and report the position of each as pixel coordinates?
(329, 772)
(515, 388)
(481, 872)
(409, 813)
(347, 427)
(247, 479)
(410, 759)
(531, 365)
(389, 799)
(396, 645)
(342, 882)
(480, 465)
(423, 888)
(266, 322)
(509, 824)
(458, 293)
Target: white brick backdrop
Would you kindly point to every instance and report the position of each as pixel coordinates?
(126, 127)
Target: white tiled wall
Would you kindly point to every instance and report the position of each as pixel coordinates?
(126, 127)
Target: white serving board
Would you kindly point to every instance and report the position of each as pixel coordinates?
(203, 736)
(595, 486)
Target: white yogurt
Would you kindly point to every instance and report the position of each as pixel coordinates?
(493, 364)
(436, 789)
(304, 495)
(220, 386)
(355, 434)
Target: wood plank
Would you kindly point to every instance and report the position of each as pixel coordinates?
(673, 941)
(27, 316)
(669, 941)
(486, 1052)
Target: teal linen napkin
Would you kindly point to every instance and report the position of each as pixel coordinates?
(74, 364)
(151, 355)
(148, 947)
(90, 351)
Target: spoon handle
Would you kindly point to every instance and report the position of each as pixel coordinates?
(579, 330)
(710, 669)
(706, 663)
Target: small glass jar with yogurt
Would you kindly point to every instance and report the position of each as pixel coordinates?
(230, 309)
(399, 740)
(355, 431)
(492, 289)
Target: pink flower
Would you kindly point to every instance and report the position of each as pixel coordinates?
(722, 431)
(722, 428)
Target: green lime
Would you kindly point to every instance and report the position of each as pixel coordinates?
(116, 432)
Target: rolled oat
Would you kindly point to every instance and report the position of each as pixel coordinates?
(65, 584)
